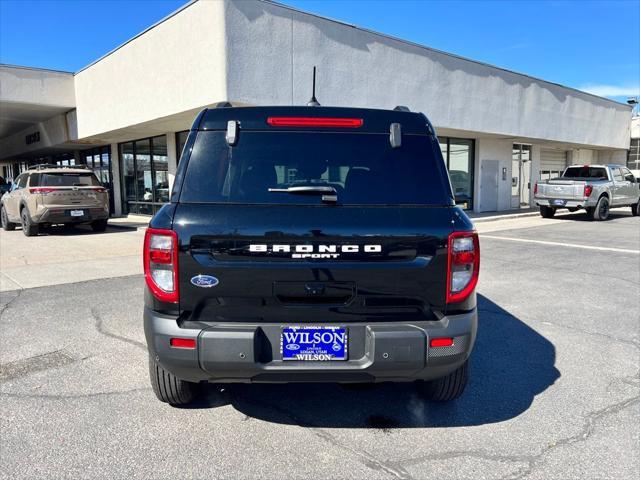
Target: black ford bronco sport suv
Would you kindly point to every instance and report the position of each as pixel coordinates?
(310, 244)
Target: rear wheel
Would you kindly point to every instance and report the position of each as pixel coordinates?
(635, 209)
(169, 388)
(6, 224)
(547, 212)
(29, 228)
(99, 225)
(448, 387)
(601, 212)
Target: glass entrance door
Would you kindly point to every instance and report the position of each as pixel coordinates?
(521, 176)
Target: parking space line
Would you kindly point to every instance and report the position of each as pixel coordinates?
(561, 244)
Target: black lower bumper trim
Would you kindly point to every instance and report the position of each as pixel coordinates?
(233, 352)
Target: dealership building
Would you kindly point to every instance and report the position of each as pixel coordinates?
(126, 115)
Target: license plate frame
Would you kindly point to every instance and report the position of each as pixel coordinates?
(313, 343)
(558, 202)
(76, 213)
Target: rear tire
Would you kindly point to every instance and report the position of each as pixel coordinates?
(99, 225)
(635, 209)
(29, 228)
(601, 212)
(169, 388)
(448, 387)
(547, 212)
(6, 224)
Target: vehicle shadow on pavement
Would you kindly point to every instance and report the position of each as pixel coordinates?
(583, 217)
(510, 365)
(79, 230)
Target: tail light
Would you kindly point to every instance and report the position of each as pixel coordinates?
(587, 190)
(42, 190)
(463, 265)
(535, 188)
(161, 264)
(99, 189)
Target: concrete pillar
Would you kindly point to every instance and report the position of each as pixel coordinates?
(117, 185)
(76, 157)
(172, 158)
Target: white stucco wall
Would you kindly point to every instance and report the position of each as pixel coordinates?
(271, 51)
(36, 87)
(175, 66)
(635, 127)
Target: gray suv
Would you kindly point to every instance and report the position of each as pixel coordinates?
(49, 194)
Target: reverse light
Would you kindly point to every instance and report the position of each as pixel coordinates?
(42, 190)
(440, 342)
(588, 189)
(315, 122)
(463, 265)
(183, 343)
(161, 264)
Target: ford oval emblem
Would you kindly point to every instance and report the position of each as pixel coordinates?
(292, 346)
(204, 281)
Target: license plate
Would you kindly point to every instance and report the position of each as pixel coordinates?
(559, 203)
(314, 343)
(77, 213)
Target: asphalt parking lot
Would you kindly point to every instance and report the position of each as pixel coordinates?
(554, 390)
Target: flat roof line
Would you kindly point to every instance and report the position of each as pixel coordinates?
(453, 55)
(23, 67)
(162, 20)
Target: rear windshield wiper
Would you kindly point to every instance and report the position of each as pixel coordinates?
(329, 194)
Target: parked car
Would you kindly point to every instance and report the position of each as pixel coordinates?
(307, 244)
(50, 194)
(596, 188)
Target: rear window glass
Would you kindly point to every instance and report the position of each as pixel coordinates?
(362, 168)
(585, 172)
(68, 180)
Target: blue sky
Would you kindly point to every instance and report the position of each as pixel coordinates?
(591, 45)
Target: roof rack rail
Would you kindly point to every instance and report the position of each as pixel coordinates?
(43, 166)
(401, 108)
(223, 105)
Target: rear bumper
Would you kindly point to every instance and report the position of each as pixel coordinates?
(582, 203)
(249, 352)
(63, 215)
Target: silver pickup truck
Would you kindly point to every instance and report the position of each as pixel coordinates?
(596, 188)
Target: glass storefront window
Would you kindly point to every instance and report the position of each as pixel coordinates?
(160, 167)
(181, 139)
(458, 154)
(145, 175)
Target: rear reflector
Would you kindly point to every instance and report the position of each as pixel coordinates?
(315, 122)
(440, 342)
(183, 343)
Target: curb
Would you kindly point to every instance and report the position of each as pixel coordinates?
(504, 217)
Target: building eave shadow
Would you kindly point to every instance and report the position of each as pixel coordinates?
(510, 365)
